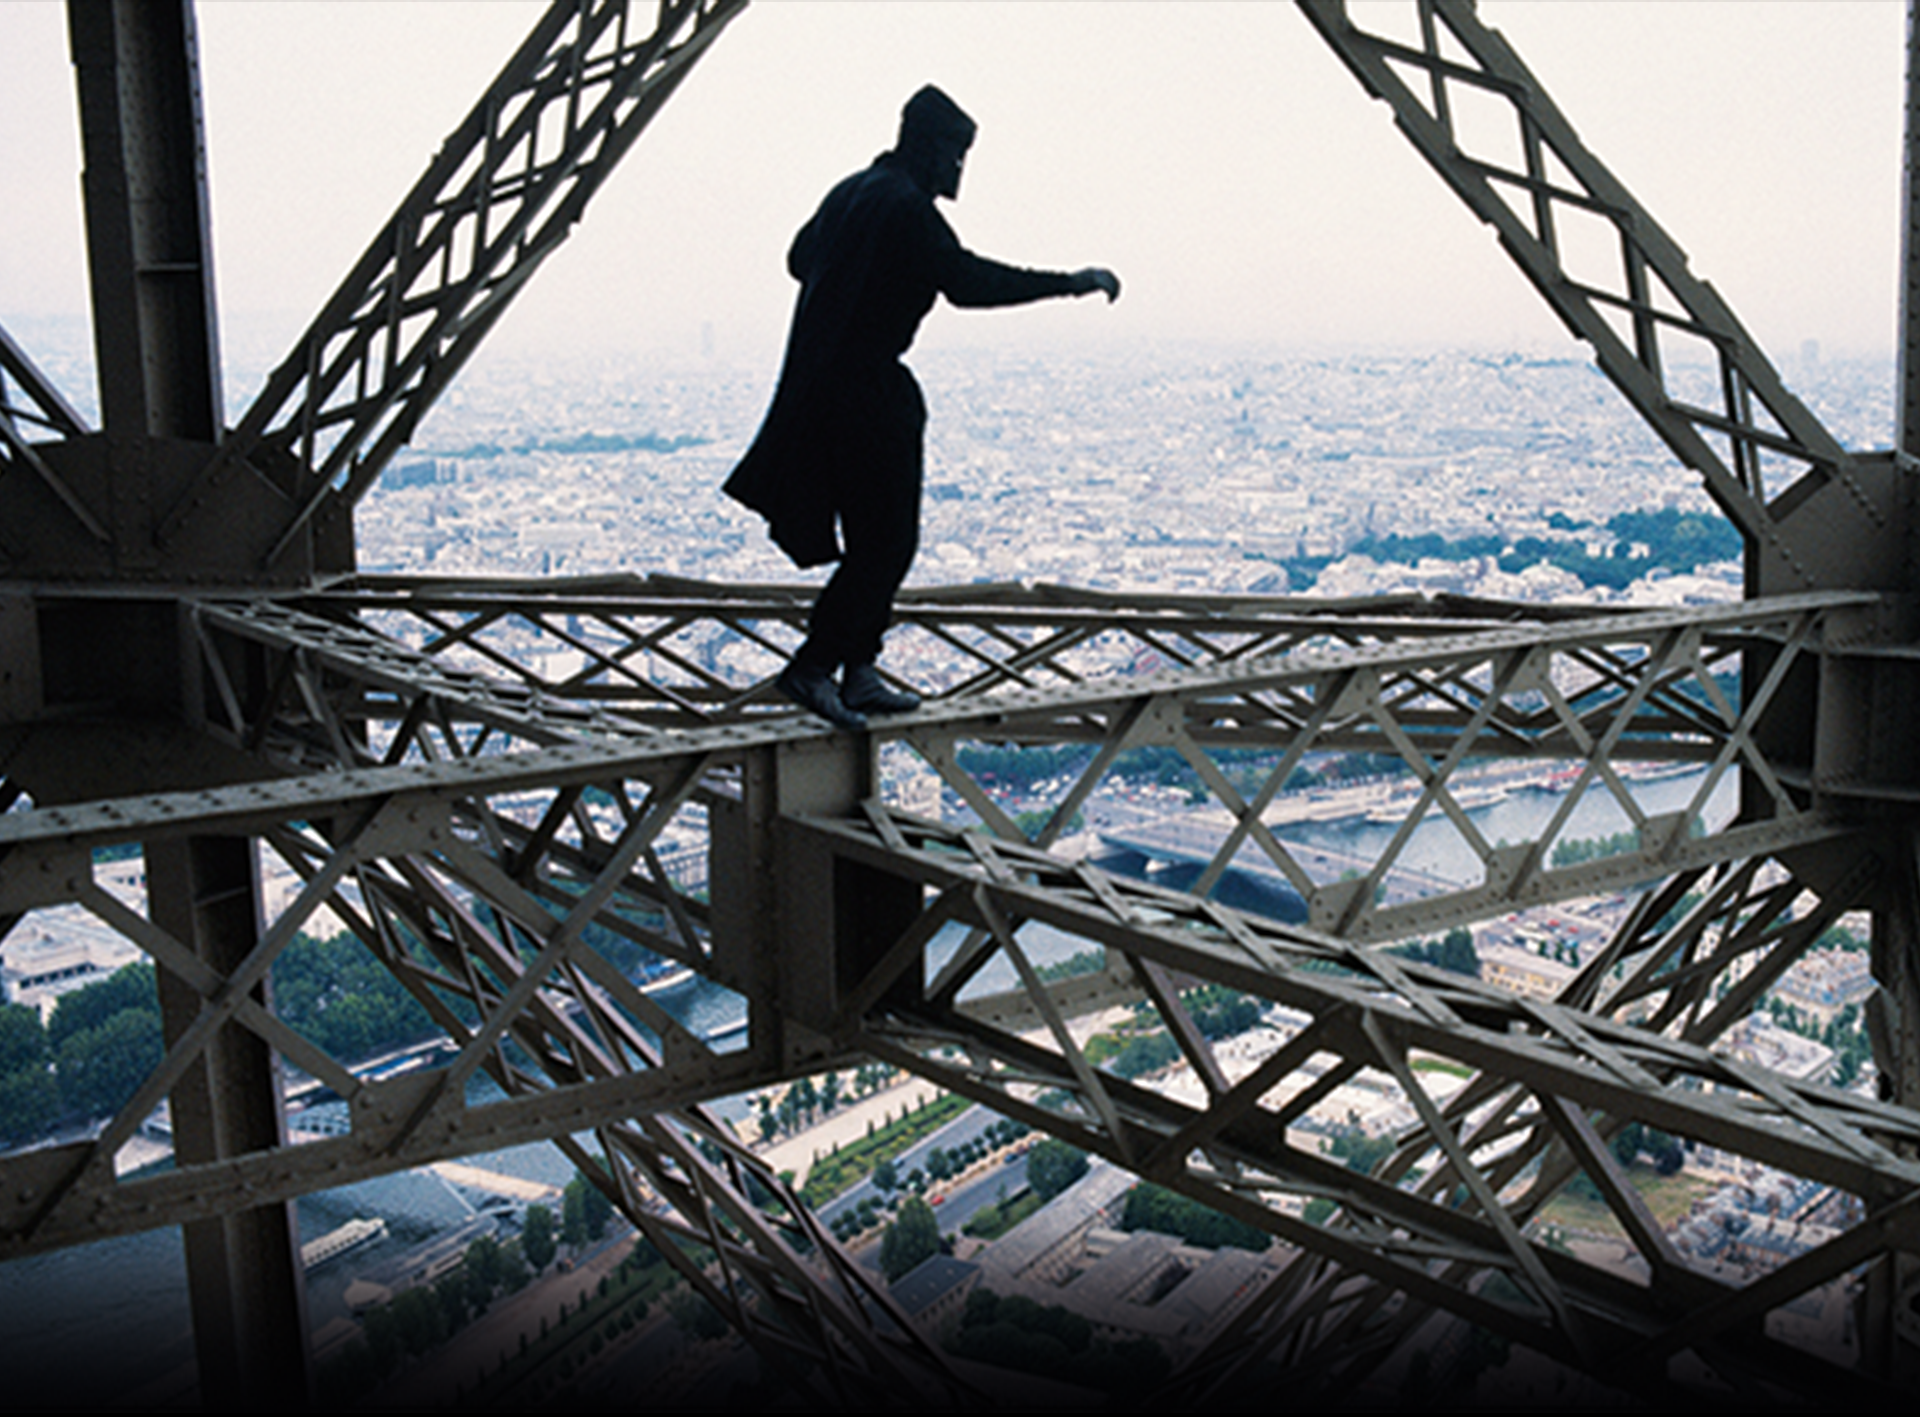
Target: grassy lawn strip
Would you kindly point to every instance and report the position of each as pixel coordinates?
(990, 1222)
(833, 1174)
(552, 1356)
(1668, 1197)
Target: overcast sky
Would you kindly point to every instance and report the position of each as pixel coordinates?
(1218, 156)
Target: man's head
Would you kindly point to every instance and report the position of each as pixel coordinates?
(934, 137)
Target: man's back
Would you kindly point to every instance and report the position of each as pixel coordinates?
(868, 267)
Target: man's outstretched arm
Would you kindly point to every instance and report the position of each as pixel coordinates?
(975, 282)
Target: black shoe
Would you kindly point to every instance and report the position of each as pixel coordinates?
(862, 689)
(813, 690)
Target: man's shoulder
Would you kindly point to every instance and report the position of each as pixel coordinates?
(879, 184)
(877, 209)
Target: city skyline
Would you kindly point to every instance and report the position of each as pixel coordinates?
(1257, 195)
(544, 767)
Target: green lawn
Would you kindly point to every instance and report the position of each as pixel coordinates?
(832, 1174)
(993, 1221)
(1668, 1197)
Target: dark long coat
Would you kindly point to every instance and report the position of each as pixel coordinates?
(846, 415)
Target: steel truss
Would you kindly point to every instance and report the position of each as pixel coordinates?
(664, 652)
(480, 903)
(500, 878)
(509, 792)
(502, 193)
(1583, 697)
(1450, 1209)
(1807, 506)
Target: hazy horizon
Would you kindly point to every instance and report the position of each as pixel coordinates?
(1256, 197)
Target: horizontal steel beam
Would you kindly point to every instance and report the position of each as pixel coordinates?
(1458, 1200)
(1585, 696)
(481, 861)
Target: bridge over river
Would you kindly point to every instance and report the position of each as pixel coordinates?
(1184, 844)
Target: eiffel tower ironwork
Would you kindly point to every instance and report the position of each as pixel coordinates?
(192, 665)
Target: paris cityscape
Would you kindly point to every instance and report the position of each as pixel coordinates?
(1179, 468)
(1209, 470)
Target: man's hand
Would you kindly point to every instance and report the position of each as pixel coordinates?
(1092, 278)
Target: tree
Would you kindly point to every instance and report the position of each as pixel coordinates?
(1151, 1207)
(483, 1270)
(573, 1213)
(1635, 1140)
(1457, 952)
(93, 1006)
(513, 1275)
(338, 994)
(1626, 1144)
(886, 1176)
(913, 1237)
(29, 1103)
(420, 1318)
(1219, 1012)
(805, 1097)
(595, 1209)
(1052, 1166)
(1361, 1152)
(483, 1259)
(450, 1291)
(101, 1068)
(536, 1237)
(23, 1042)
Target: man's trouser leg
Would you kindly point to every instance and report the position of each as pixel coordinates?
(880, 528)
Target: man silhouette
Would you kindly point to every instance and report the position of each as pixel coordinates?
(842, 440)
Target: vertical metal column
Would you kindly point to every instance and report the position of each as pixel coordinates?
(1896, 927)
(148, 265)
(1889, 1323)
(1907, 433)
(147, 221)
(773, 910)
(150, 268)
(247, 1285)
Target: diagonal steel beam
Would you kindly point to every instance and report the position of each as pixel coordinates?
(499, 197)
(46, 406)
(41, 405)
(1761, 453)
(511, 830)
(1399, 1232)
